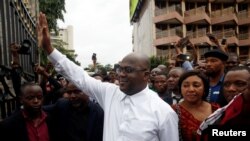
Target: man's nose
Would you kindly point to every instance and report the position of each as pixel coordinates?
(231, 88)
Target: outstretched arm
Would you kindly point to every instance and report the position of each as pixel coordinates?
(177, 48)
(72, 72)
(195, 53)
(214, 40)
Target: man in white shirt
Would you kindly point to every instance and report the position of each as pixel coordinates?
(132, 111)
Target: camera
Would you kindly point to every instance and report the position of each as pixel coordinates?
(183, 57)
(223, 41)
(25, 47)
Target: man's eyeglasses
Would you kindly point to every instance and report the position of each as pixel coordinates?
(129, 69)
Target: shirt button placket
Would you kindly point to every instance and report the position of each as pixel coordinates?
(125, 113)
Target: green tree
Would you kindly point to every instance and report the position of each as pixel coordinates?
(108, 67)
(155, 61)
(54, 10)
(59, 45)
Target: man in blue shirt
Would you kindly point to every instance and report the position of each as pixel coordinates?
(215, 65)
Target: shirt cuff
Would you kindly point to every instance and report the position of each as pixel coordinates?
(54, 56)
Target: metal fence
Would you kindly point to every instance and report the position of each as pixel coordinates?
(7, 107)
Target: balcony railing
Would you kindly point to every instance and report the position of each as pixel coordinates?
(169, 9)
(243, 36)
(226, 33)
(170, 32)
(196, 11)
(199, 33)
(243, 14)
(219, 13)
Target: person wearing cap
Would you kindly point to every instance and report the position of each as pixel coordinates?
(215, 64)
(235, 115)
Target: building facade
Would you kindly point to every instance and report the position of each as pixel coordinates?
(173, 19)
(17, 23)
(65, 35)
(143, 31)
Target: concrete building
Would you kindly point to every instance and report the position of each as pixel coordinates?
(143, 30)
(161, 23)
(65, 35)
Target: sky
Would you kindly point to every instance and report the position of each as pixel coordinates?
(101, 27)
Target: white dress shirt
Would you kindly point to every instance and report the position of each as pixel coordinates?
(140, 117)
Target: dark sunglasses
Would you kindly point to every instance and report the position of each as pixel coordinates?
(129, 69)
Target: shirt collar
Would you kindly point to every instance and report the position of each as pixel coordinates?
(25, 115)
(220, 81)
(221, 78)
(138, 97)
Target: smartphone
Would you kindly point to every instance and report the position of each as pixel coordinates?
(223, 41)
(210, 36)
(183, 57)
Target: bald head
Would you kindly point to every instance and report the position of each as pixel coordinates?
(178, 69)
(138, 59)
(134, 73)
(162, 67)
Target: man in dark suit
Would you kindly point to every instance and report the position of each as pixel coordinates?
(30, 123)
(78, 118)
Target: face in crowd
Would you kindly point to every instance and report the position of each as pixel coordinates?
(154, 72)
(193, 86)
(31, 98)
(112, 75)
(160, 83)
(76, 96)
(162, 67)
(201, 67)
(236, 81)
(133, 73)
(173, 78)
(232, 61)
(214, 66)
(171, 64)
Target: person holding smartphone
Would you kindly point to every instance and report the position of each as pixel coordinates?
(221, 45)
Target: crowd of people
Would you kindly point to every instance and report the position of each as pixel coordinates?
(183, 101)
